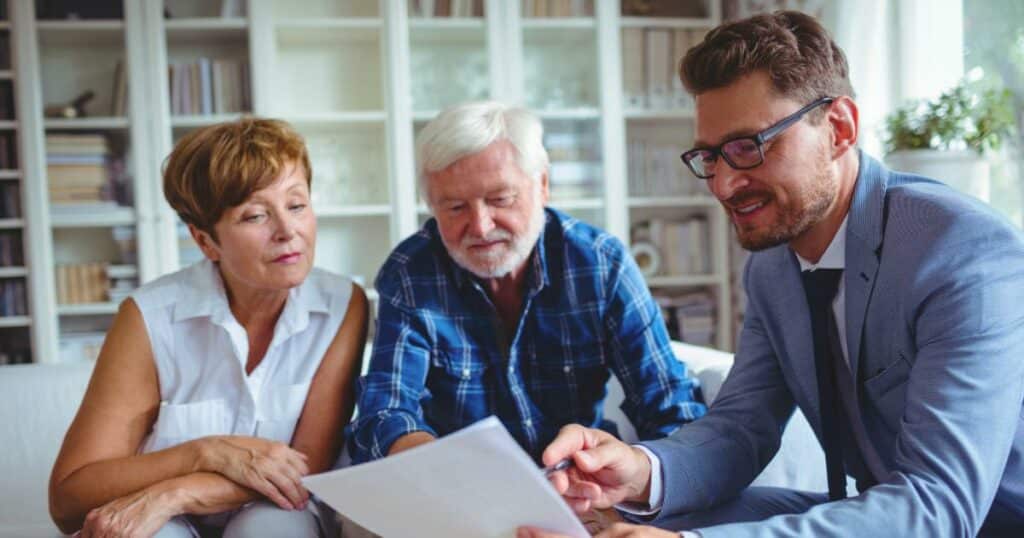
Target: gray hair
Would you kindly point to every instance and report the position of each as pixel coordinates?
(468, 128)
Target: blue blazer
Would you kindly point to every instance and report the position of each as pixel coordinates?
(935, 331)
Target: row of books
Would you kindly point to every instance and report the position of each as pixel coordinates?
(5, 49)
(77, 168)
(82, 283)
(558, 8)
(8, 151)
(209, 86)
(13, 299)
(673, 247)
(655, 169)
(446, 8)
(11, 252)
(10, 200)
(690, 317)
(6, 100)
(650, 65)
(575, 179)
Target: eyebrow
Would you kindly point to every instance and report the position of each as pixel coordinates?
(731, 135)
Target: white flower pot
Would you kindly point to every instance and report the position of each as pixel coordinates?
(961, 169)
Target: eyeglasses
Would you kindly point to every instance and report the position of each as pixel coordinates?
(744, 152)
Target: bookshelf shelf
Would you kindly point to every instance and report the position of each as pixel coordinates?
(86, 124)
(669, 23)
(97, 219)
(206, 28)
(544, 24)
(10, 174)
(318, 31)
(344, 117)
(98, 25)
(9, 322)
(13, 272)
(11, 224)
(191, 122)
(672, 201)
(87, 309)
(685, 281)
(8, 124)
(6, 74)
(578, 113)
(339, 211)
(5, 25)
(447, 23)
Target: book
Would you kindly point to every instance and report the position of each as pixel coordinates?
(657, 48)
(118, 102)
(633, 68)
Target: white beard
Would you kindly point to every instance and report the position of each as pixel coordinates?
(501, 261)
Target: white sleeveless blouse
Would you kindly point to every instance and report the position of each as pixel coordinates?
(200, 352)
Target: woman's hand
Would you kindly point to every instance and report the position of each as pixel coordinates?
(269, 468)
(139, 514)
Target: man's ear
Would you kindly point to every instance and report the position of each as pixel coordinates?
(545, 190)
(206, 243)
(844, 119)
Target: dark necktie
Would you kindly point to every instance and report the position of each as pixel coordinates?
(820, 286)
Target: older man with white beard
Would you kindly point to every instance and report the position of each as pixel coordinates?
(498, 306)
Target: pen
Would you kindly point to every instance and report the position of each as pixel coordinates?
(560, 466)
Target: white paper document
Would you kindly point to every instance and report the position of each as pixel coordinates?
(476, 482)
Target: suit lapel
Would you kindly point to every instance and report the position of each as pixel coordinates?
(794, 319)
(863, 244)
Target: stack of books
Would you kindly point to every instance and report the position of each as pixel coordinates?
(650, 67)
(689, 318)
(82, 283)
(209, 86)
(76, 167)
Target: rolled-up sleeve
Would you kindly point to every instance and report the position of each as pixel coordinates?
(660, 394)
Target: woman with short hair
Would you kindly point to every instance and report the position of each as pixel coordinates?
(221, 385)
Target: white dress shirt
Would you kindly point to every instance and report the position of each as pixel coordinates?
(200, 351)
(833, 258)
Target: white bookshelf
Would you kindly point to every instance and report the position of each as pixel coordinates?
(358, 79)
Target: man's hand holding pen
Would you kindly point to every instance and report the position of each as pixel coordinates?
(604, 471)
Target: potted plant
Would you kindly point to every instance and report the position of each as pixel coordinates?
(947, 138)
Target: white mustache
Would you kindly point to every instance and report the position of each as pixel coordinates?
(495, 235)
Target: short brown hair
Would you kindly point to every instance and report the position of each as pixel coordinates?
(218, 167)
(797, 53)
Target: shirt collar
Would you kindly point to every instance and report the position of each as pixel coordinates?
(834, 256)
(204, 296)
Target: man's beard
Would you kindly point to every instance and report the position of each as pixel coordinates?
(505, 259)
(793, 219)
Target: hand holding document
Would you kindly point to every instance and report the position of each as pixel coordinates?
(476, 482)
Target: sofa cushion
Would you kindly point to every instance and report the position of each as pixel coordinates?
(40, 401)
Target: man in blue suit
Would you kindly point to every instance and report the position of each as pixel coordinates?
(888, 307)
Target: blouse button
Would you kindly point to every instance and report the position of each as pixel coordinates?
(465, 373)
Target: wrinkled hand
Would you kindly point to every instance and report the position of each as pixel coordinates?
(270, 468)
(140, 514)
(606, 472)
(618, 530)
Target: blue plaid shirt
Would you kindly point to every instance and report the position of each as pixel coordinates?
(443, 360)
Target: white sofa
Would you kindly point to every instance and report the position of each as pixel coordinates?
(39, 402)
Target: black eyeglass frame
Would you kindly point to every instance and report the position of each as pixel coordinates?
(759, 140)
